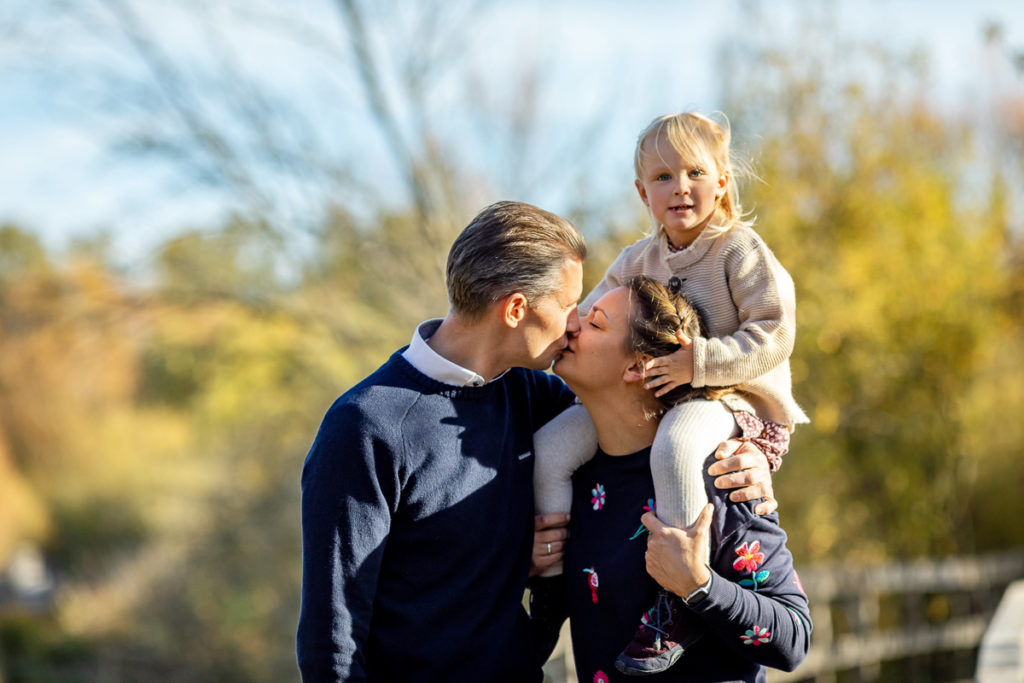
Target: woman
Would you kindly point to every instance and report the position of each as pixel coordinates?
(744, 609)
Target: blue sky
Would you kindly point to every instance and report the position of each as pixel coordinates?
(625, 61)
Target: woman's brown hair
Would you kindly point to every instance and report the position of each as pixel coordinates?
(656, 312)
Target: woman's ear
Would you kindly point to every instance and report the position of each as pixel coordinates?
(636, 372)
(513, 309)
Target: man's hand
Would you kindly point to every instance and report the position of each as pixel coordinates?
(742, 466)
(676, 557)
(549, 534)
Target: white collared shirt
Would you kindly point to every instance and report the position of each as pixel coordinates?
(434, 365)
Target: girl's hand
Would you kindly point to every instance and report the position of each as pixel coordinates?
(676, 557)
(668, 372)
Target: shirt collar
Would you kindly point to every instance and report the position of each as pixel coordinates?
(435, 366)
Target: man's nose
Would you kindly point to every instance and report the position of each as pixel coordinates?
(572, 325)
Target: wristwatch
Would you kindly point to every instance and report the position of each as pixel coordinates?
(701, 592)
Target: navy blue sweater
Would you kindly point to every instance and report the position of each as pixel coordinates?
(755, 615)
(417, 509)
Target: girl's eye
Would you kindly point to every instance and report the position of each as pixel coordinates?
(664, 176)
(696, 173)
(594, 326)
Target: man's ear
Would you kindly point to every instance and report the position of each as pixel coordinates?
(513, 309)
(635, 372)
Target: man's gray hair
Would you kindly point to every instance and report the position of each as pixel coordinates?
(510, 247)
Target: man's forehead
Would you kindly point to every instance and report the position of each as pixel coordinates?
(573, 288)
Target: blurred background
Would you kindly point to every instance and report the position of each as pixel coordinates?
(218, 215)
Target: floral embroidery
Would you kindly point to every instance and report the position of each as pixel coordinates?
(592, 582)
(756, 636)
(598, 496)
(750, 556)
(600, 677)
(650, 507)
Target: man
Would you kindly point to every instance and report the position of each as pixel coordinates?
(417, 505)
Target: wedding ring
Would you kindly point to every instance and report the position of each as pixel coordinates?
(549, 548)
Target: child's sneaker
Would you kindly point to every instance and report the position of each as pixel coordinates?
(666, 631)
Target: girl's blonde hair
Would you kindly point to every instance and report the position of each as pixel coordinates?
(697, 137)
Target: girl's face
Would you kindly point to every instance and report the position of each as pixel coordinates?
(596, 357)
(681, 194)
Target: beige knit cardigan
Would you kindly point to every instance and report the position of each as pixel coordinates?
(748, 304)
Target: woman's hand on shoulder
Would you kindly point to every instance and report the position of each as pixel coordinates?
(742, 466)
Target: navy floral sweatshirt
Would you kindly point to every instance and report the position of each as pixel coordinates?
(756, 613)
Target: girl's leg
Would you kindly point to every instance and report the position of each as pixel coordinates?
(687, 435)
(561, 446)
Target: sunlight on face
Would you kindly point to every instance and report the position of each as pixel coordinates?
(680, 193)
(596, 357)
(551, 320)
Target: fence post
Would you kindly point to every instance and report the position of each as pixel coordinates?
(1000, 657)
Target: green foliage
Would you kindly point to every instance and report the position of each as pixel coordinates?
(36, 650)
(88, 533)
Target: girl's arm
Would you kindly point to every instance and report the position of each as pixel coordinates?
(765, 300)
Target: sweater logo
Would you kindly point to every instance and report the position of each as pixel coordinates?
(524, 456)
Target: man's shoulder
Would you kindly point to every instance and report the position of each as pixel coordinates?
(388, 390)
(363, 418)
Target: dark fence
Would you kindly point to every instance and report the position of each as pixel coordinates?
(909, 621)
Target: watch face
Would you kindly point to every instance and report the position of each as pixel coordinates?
(699, 594)
(696, 596)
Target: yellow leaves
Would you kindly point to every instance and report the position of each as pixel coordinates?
(826, 417)
(23, 516)
(908, 356)
(829, 340)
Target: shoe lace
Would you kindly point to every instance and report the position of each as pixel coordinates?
(660, 616)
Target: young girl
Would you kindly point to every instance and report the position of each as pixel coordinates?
(699, 241)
